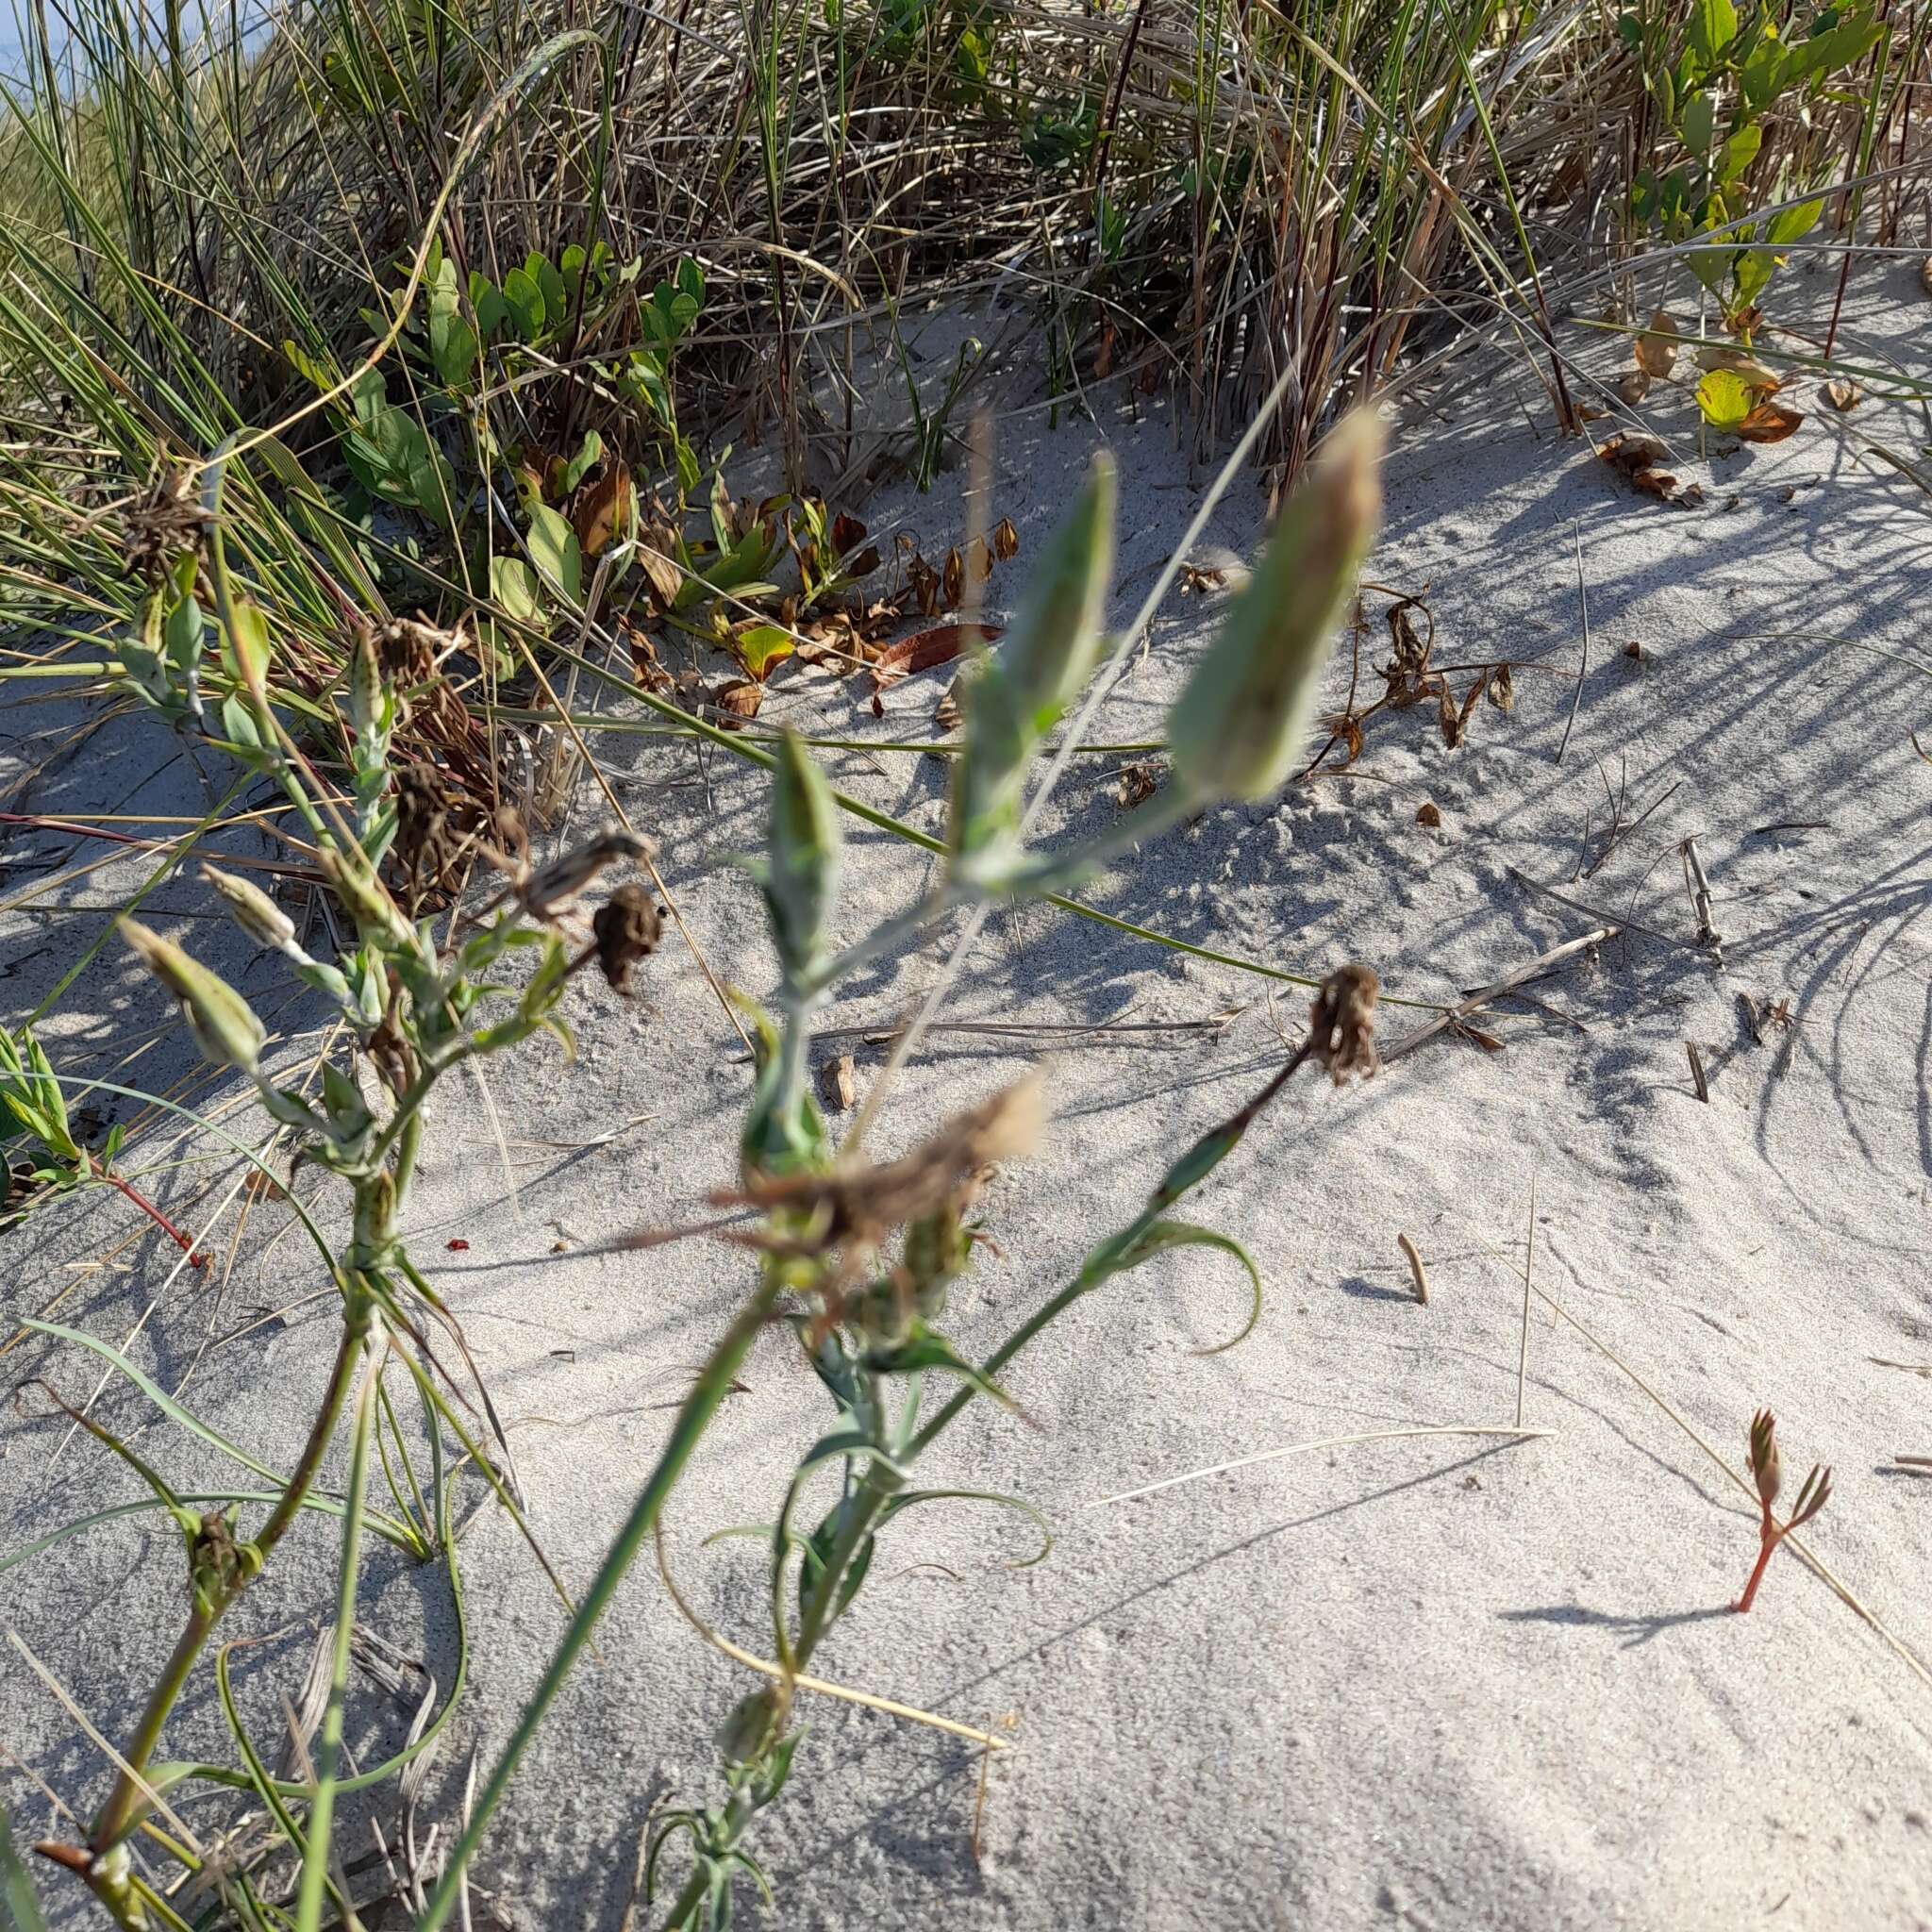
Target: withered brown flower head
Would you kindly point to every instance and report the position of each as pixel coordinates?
(165, 520)
(409, 650)
(435, 824)
(1342, 1023)
(628, 926)
(858, 1204)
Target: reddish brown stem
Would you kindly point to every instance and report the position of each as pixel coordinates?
(152, 1213)
(1771, 1538)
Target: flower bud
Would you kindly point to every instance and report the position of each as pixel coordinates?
(224, 1025)
(1238, 728)
(252, 909)
(1767, 1469)
(801, 879)
(1018, 693)
(353, 880)
(755, 1722)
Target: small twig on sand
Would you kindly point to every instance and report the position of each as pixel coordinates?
(1697, 1071)
(977, 1842)
(1529, 1271)
(1449, 1015)
(1619, 831)
(1415, 1268)
(1698, 886)
(1582, 669)
(1589, 911)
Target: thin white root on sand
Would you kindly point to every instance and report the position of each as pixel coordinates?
(1322, 1442)
(1528, 1269)
(844, 1693)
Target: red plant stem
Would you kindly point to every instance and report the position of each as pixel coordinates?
(1771, 1538)
(148, 1207)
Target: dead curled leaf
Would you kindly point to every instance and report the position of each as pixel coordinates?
(736, 702)
(602, 509)
(1657, 348)
(1138, 785)
(1768, 423)
(657, 553)
(926, 650)
(1926, 275)
(838, 1087)
(1637, 457)
(1842, 394)
(1635, 386)
(1632, 453)
(645, 663)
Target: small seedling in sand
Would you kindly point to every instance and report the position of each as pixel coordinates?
(1767, 1474)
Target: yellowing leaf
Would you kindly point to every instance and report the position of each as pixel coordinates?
(1723, 399)
(759, 646)
(603, 511)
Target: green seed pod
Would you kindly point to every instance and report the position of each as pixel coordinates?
(1016, 696)
(353, 880)
(252, 909)
(224, 1025)
(754, 1723)
(1238, 728)
(801, 882)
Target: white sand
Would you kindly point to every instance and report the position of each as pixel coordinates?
(1438, 1683)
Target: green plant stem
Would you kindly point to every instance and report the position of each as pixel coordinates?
(692, 1419)
(133, 1194)
(322, 1812)
(408, 1142)
(127, 1803)
(876, 1490)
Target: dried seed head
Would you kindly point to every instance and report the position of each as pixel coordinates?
(549, 889)
(1764, 1459)
(410, 650)
(857, 1205)
(162, 523)
(1342, 1023)
(436, 823)
(252, 909)
(223, 1022)
(628, 926)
